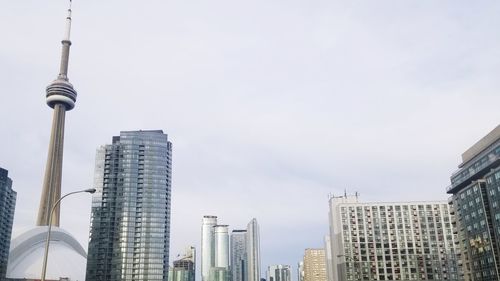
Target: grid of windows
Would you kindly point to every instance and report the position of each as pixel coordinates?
(478, 223)
(315, 265)
(476, 204)
(397, 241)
(7, 206)
(130, 223)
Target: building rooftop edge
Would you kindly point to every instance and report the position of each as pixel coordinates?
(481, 145)
(386, 203)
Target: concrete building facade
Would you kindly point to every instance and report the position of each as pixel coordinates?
(392, 241)
(315, 265)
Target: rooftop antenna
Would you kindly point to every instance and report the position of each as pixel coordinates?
(63, 72)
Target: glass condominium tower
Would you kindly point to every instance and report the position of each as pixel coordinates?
(7, 206)
(475, 201)
(130, 223)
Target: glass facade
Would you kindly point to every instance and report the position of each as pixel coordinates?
(130, 223)
(475, 201)
(238, 255)
(184, 268)
(253, 250)
(7, 206)
(207, 245)
(279, 273)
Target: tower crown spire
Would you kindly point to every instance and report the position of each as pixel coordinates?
(60, 91)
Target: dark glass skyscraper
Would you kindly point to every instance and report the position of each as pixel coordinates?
(7, 206)
(130, 224)
(475, 190)
(239, 255)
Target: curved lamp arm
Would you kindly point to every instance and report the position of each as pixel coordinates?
(47, 242)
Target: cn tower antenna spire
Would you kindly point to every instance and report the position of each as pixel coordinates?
(61, 97)
(63, 72)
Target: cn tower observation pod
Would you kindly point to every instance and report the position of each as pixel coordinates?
(67, 258)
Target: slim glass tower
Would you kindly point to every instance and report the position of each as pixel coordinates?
(207, 245)
(253, 250)
(7, 206)
(130, 224)
(61, 97)
(221, 246)
(238, 255)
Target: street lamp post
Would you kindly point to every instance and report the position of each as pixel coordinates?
(47, 242)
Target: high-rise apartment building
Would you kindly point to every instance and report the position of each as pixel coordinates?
(253, 250)
(392, 241)
(238, 255)
(220, 270)
(314, 265)
(279, 272)
(130, 224)
(221, 246)
(300, 271)
(7, 206)
(184, 268)
(207, 245)
(475, 200)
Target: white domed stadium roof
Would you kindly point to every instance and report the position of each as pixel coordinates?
(67, 258)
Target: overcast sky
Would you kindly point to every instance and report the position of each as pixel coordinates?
(270, 104)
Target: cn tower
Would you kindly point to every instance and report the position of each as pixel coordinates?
(61, 97)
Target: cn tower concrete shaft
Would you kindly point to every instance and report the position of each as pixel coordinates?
(51, 191)
(61, 96)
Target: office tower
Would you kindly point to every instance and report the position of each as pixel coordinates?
(314, 265)
(238, 255)
(221, 246)
(392, 241)
(475, 200)
(329, 260)
(279, 272)
(184, 268)
(61, 97)
(130, 224)
(7, 206)
(207, 245)
(300, 271)
(253, 250)
(67, 258)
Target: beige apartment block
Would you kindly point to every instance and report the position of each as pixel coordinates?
(314, 265)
